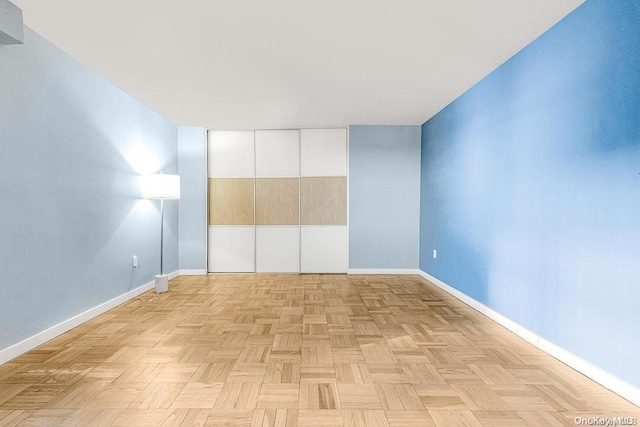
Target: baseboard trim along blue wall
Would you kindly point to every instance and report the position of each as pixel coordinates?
(40, 338)
(530, 189)
(599, 375)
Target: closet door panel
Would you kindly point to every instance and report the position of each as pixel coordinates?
(323, 201)
(231, 249)
(231, 154)
(323, 249)
(277, 153)
(323, 152)
(277, 201)
(231, 170)
(278, 249)
(231, 201)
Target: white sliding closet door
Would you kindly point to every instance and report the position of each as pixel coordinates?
(277, 160)
(278, 201)
(232, 231)
(323, 200)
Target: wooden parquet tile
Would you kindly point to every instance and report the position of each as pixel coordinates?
(296, 350)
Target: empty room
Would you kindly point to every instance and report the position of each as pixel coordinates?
(319, 213)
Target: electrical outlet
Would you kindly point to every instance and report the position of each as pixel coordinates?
(435, 253)
(134, 261)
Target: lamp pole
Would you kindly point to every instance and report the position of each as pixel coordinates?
(160, 186)
(161, 235)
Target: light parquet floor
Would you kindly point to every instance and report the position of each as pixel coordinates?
(289, 350)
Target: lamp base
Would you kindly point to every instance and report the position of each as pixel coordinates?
(162, 283)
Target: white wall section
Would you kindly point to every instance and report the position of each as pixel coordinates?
(231, 154)
(277, 153)
(232, 249)
(277, 249)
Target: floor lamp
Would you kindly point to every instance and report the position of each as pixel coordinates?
(160, 186)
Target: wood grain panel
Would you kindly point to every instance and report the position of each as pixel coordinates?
(277, 201)
(323, 201)
(231, 201)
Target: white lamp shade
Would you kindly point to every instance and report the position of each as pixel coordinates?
(160, 186)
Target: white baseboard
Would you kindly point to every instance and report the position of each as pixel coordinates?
(193, 272)
(383, 271)
(47, 335)
(597, 374)
(40, 338)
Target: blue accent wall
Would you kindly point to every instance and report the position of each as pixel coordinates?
(192, 166)
(530, 189)
(72, 147)
(384, 194)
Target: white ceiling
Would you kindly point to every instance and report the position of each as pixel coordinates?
(259, 64)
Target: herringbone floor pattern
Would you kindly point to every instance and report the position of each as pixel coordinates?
(287, 350)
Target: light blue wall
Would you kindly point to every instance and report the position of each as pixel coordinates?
(192, 165)
(384, 194)
(531, 192)
(71, 148)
